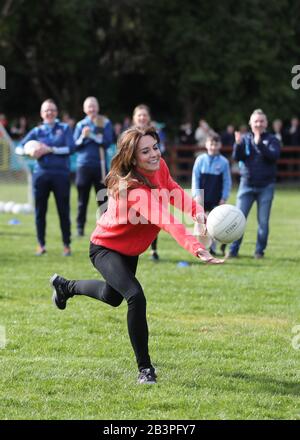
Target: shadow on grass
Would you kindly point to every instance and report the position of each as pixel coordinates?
(269, 384)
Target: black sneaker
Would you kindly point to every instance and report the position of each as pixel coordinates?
(80, 232)
(154, 256)
(60, 292)
(223, 248)
(230, 255)
(147, 375)
(258, 255)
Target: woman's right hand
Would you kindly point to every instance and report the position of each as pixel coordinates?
(206, 257)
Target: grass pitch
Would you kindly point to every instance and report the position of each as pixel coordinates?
(220, 336)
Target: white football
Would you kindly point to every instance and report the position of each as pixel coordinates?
(26, 208)
(9, 206)
(17, 208)
(30, 147)
(226, 223)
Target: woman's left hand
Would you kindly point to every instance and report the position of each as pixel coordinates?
(206, 257)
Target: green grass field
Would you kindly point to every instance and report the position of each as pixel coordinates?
(220, 336)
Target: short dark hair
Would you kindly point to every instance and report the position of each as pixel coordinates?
(214, 137)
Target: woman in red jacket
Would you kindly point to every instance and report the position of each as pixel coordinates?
(141, 118)
(140, 190)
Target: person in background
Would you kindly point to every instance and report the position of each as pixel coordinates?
(132, 221)
(92, 136)
(186, 134)
(19, 128)
(211, 179)
(277, 130)
(4, 121)
(293, 133)
(51, 173)
(67, 119)
(243, 129)
(126, 123)
(201, 133)
(117, 131)
(227, 136)
(257, 152)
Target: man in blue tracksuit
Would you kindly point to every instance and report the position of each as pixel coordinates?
(51, 173)
(92, 136)
(257, 153)
(211, 178)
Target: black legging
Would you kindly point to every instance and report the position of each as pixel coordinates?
(154, 245)
(119, 272)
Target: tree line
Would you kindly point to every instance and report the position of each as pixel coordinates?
(186, 59)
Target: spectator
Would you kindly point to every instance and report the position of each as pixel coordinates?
(19, 128)
(52, 173)
(243, 129)
(227, 136)
(117, 130)
(211, 179)
(201, 133)
(277, 130)
(160, 126)
(186, 134)
(293, 133)
(4, 121)
(126, 123)
(258, 152)
(67, 119)
(92, 136)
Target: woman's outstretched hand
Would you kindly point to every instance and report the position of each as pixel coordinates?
(206, 257)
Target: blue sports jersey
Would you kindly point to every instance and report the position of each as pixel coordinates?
(87, 148)
(211, 174)
(59, 136)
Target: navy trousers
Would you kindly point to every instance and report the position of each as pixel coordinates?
(59, 184)
(86, 177)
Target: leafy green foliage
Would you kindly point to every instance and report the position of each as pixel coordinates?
(186, 59)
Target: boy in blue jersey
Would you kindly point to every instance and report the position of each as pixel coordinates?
(92, 136)
(211, 179)
(51, 173)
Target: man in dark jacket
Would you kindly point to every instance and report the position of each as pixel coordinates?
(257, 153)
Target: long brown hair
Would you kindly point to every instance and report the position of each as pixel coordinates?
(123, 169)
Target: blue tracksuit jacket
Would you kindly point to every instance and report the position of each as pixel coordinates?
(58, 136)
(257, 162)
(88, 148)
(211, 174)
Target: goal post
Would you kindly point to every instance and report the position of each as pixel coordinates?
(15, 176)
